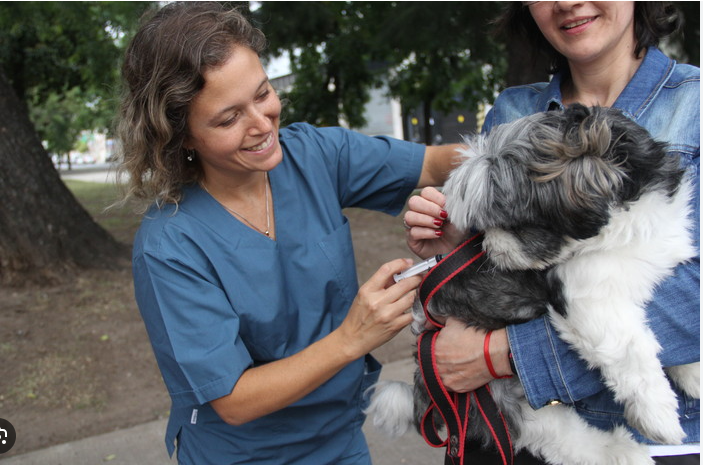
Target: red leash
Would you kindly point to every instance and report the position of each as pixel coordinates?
(454, 407)
(453, 263)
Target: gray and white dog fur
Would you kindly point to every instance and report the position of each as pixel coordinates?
(583, 214)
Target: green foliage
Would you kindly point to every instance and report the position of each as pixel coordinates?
(432, 55)
(329, 50)
(56, 120)
(62, 59)
(442, 53)
(428, 53)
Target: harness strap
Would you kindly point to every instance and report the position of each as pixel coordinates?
(428, 428)
(454, 407)
(442, 401)
(496, 423)
(467, 254)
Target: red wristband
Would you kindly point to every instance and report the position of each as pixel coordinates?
(487, 357)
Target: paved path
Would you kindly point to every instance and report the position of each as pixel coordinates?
(91, 173)
(144, 444)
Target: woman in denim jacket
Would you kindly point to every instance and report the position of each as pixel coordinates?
(603, 54)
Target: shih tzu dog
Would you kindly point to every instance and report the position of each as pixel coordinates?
(583, 214)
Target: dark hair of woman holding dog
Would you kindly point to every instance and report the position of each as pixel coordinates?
(243, 266)
(602, 54)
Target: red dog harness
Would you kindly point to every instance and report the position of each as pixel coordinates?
(454, 407)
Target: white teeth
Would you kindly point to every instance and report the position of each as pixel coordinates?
(576, 24)
(261, 146)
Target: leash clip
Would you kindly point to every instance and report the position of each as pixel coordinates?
(454, 446)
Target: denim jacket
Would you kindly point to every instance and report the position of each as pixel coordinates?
(664, 98)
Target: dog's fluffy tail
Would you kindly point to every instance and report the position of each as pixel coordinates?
(391, 407)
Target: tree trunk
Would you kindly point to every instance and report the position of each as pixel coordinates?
(44, 232)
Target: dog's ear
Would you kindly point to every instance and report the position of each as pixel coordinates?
(562, 170)
(484, 190)
(632, 160)
(466, 189)
(645, 160)
(575, 181)
(509, 179)
(594, 159)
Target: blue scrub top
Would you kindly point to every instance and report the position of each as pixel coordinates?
(218, 297)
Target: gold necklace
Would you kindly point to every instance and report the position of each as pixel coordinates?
(267, 233)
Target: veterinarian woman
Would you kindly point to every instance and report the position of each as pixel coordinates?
(604, 53)
(243, 267)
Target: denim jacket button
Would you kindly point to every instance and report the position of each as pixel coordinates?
(553, 402)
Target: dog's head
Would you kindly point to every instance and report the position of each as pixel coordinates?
(543, 182)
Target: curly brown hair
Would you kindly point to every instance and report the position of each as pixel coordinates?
(162, 73)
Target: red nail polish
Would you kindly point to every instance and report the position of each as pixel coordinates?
(438, 232)
(443, 214)
(438, 222)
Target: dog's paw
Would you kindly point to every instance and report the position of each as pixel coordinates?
(623, 450)
(619, 448)
(688, 378)
(658, 420)
(391, 407)
(615, 447)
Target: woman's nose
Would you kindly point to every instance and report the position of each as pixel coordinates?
(566, 6)
(259, 121)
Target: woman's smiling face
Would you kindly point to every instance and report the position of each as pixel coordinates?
(233, 122)
(586, 31)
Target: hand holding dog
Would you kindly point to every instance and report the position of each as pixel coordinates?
(380, 310)
(428, 230)
(459, 350)
(460, 359)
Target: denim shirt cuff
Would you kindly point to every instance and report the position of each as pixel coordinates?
(548, 370)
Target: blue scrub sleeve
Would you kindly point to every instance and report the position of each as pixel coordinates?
(193, 329)
(372, 161)
(376, 173)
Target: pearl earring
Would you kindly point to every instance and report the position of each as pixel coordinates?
(190, 154)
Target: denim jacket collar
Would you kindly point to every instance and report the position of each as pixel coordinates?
(550, 98)
(648, 80)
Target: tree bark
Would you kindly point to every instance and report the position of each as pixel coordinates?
(45, 233)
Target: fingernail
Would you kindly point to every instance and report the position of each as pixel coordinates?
(443, 214)
(438, 233)
(438, 222)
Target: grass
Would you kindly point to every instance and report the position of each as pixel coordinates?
(95, 197)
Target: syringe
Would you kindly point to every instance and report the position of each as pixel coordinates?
(418, 268)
